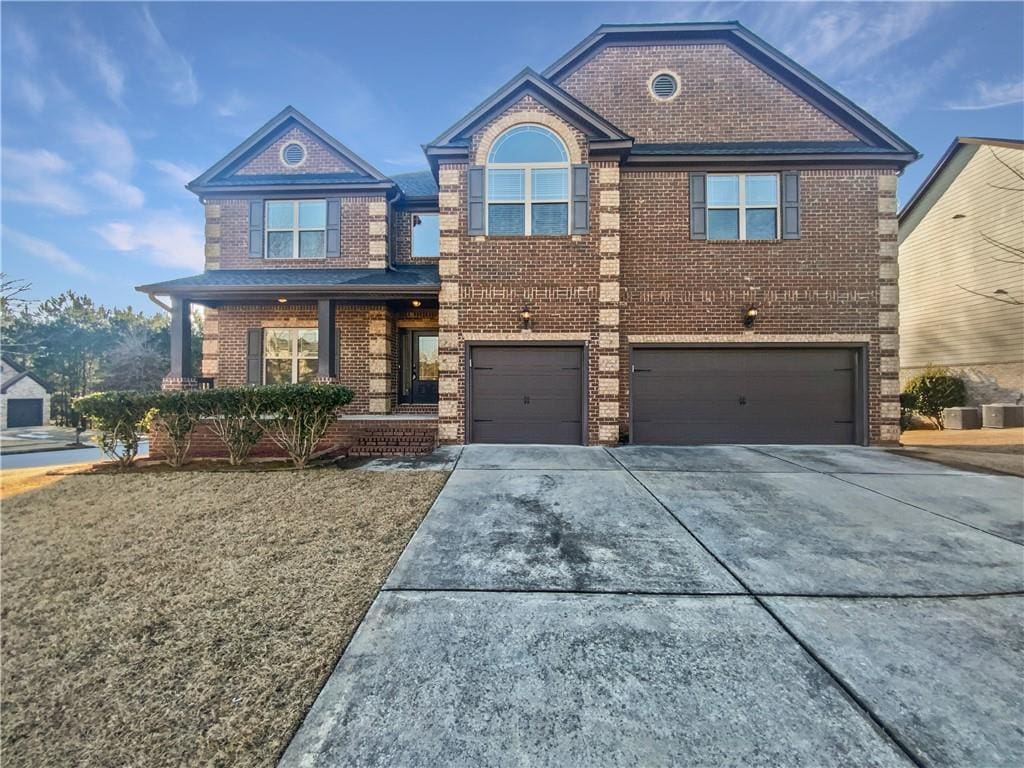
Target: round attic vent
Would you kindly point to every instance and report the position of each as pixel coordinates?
(293, 153)
(664, 86)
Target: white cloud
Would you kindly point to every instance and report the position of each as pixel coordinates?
(102, 60)
(232, 104)
(23, 42)
(40, 177)
(120, 192)
(178, 77)
(109, 145)
(44, 250)
(31, 95)
(179, 175)
(990, 95)
(164, 238)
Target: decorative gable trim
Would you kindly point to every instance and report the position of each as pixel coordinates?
(754, 49)
(454, 142)
(219, 176)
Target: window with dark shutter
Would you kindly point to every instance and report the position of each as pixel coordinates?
(475, 194)
(580, 199)
(791, 205)
(698, 206)
(256, 229)
(333, 228)
(254, 357)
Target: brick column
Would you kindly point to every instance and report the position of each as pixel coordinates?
(888, 311)
(213, 235)
(381, 371)
(608, 337)
(378, 234)
(450, 427)
(211, 344)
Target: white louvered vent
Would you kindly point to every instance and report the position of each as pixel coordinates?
(664, 86)
(293, 154)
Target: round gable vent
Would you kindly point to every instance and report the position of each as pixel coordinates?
(293, 154)
(664, 86)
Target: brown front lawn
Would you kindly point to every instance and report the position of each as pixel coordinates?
(187, 618)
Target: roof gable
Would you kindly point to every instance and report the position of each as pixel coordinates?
(754, 49)
(256, 162)
(573, 111)
(22, 376)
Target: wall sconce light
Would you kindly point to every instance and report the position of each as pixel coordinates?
(416, 303)
(749, 317)
(282, 300)
(526, 317)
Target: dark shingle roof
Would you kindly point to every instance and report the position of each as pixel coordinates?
(255, 180)
(416, 184)
(757, 148)
(425, 276)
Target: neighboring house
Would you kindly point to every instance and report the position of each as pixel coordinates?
(961, 254)
(674, 234)
(24, 397)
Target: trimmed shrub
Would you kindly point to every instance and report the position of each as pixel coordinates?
(232, 414)
(934, 390)
(118, 418)
(296, 416)
(175, 418)
(908, 400)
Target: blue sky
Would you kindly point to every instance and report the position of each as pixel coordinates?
(108, 109)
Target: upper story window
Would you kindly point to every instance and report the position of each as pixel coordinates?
(296, 229)
(426, 235)
(528, 183)
(743, 206)
(290, 355)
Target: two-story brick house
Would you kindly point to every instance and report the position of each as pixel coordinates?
(674, 234)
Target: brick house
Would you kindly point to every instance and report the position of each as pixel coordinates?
(674, 234)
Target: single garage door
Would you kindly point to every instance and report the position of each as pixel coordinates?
(743, 395)
(529, 394)
(25, 412)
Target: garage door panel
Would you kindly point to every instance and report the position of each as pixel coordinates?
(25, 412)
(526, 395)
(744, 396)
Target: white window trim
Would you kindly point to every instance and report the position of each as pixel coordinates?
(412, 230)
(294, 229)
(743, 207)
(293, 351)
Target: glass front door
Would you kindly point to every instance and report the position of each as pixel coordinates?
(420, 366)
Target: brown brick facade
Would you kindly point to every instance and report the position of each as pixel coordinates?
(722, 97)
(319, 157)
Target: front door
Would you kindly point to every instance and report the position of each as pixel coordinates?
(420, 365)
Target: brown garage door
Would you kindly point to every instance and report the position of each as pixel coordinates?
(526, 395)
(742, 395)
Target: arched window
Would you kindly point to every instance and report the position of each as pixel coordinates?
(528, 183)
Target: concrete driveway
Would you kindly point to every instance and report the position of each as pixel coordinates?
(711, 606)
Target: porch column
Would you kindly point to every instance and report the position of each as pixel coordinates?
(327, 348)
(180, 375)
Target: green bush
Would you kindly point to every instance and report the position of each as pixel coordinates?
(174, 418)
(118, 418)
(296, 416)
(933, 391)
(233, 415)
(908, 401)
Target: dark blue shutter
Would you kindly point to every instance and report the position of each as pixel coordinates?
(475, 199)
(333, 228)
(256, 229)
(791, 205)
(254, 357)
(698, 206)
(580, 199)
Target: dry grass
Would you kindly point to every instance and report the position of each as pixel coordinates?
(16, 481)
(187, 618)
(995, 440)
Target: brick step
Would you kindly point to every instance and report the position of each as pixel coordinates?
(384, 440)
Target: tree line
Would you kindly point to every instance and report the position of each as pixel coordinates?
(78, 346)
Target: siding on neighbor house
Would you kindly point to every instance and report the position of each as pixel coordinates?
(941, 323)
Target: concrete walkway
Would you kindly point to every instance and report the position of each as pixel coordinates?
(711, 606)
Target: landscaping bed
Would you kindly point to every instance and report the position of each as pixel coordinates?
(155, 618)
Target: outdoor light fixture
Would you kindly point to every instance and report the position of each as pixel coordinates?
(525, 315)
(282, 300)
(416, 303)
(959, 215)
(749, 317)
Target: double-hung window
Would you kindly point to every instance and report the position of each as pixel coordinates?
(296, 229)
(289, 355)
(743, 206)
(528, 183)
(426, 235)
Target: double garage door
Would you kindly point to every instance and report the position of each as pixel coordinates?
(679, 396)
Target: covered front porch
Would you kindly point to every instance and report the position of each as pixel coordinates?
(374, 331)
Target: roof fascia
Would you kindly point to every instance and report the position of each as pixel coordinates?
(285, 191)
